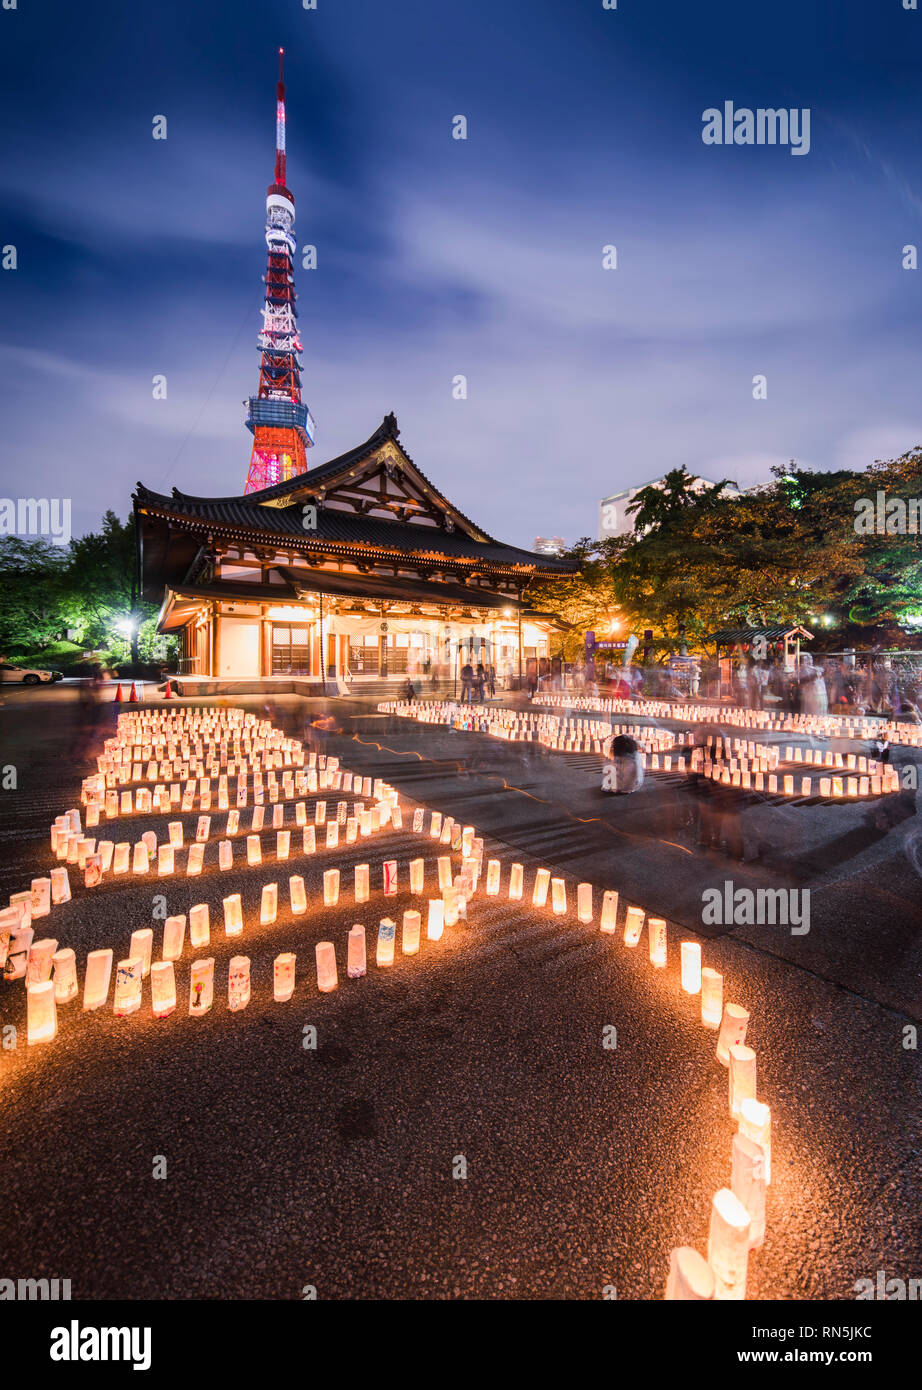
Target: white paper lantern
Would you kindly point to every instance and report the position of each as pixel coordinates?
(691, 1278)
(309, 840)
(283, 977)
(756, 1124)
(225, 855)
(40, 960)
(542, 883)
(297, 894)
(728, 1245)
(444, 867)
(175, 832)
(633, 925)
(65, 976)
(608, 921)
(195, 860)
(516, 882)
(494, 870)
(389, 872)
(128, 976)
(732, 1030)
(558, 896)
(355, 965)
(60, 885)
(417, 875)
(254, 850)
(96, 980)
(201, 986)
(712, 997)
(141, 948)
(435, 921)
(41, 897)
(742, 1077)
(387, 932)
(233, 915)
(41, 1013)
(330, 887)
(656, 932)
(690, 952)
(174, 935)
(238, 983)
(584, 902)
(748, 1184)
(412, 923)
(269, 904)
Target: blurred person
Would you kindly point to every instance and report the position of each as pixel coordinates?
(624, 770)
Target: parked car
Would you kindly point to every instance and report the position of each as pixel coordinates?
(29, 675)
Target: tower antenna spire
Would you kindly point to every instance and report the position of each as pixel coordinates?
(280, 124)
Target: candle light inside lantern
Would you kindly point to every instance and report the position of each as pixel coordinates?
(756, 1123)
(60, 885)
(283, 977)
(656, 931)
(450, 899)
(165, 862)
(65, 976)
(199, 925)
(320, 813)
(584, 902)
(435, 921)
(355, 965)
(297, 894)
(174, 935)
(325, 954)
(435, 825)
(361, 891)
(330, 887)
(225, 855)
(542, 883)
(389, 873)
(254, 850)
(742, 1077)
(691, 1278)
(233, 916)
(387, 932)
(128, 976)
(140, 862)
(516, 882)
(559, 896)
(238, 983)
(690, 952)
(633, 925)
(712, 997)
(141, 948)
(162, 988)
(412, 923)
(728, 1245)
(40, 961)
(309, 840)
(201, 986)
(122, 858)
(747, 1182)
(493, 874)
(443, 863)
(96, 980)
(269, 904)
(732, 1030)
(175, 833)
(467, 840)
(608, 922)
(332, 834)
(42, 1014)
(195, 860)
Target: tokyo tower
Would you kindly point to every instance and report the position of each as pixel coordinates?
(281, 425)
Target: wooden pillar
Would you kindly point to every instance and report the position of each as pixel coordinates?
(215, 646)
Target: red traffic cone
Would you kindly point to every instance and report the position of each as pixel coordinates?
(168, 693)
(118, 694)
(133, 697)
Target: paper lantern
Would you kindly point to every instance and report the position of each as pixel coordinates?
(352, 829)
(332, 834)
(254, 850)
(128, 976)
(326, 954)
(584, 902)
(690, 953)
(389, 872)
(712, 997)
(225, 855)
(493, 875)
(297, 894)
(201, 986)
(756, 1123)
(412, 923)
(435, 921)
(41, 897)
(747, 1183)
(443, 863)
(269, 904)
(65, 976)
(417, 875)
(203, 828)
(278, 817)
(175, 831)
(238, 983)
(195, 860)
(106, 850)
(174, 936)
(165, 862)
(141, 948)
(320, 813)
(732, 1030)
(309, 840)
(233, 916)
(330, 887)
(418, 817)
(558, 896)
(633, 925)
(516, 882)
(233, 823)
(17, 959)
(728, 1245)
(608, 921)
(387, 932)
(450, 898)
(199, 925)
(691, 1278)
(40, 960)
(283, 977)
(742, 1077)
(467, 840)
(656, 932)
(60, 885)
(41, 1013)
(396, 817)
(96, 980)
(360, 888)
(355, 965)
(259, 816)
(542, 883)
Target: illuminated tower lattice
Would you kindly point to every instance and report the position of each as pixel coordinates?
(282, 426)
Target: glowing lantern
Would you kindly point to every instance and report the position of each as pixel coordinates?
(60, 885)
(584, 902)
(493, 874)
(96, 980)
(309, 840)
(467, 840)
(352, 829)
(633, 925)
(233, 916)
(106, 849)
(203, 828)
(164, 860)
(691, 1278)
(225, 855)
(141, 948)
(417, 874)
(756, 1124)
(332, 834)
(259, 816)
(419, 816)
(742, 1077)
(558, 896)
(17, 959)
(365, 825)
(254, 850)
(174, 935)
(608, 922)
(175, 831)
(732, 1030)
(435, 825)
(712, 997)
(656, 930)
(412, 923)
(238, 983)
(355, 965)
(325, 954)
(542, 883)
(195, 861)
(389, 871)
(387, 932)
(65, 976)
(199, 925)
(450, 898)
(444, 866)
(297, 894)
(361, 883)
(41, 897)
(748, 1184)
(435, 921)
(201, 986)
(268, 907)
(320, 813)
(283, 977)
(728, 1245)
(128, 976)
(516, 882)
(39, 963)
(278, 817)
(42, 1014)
(690, 952)
(330, 887)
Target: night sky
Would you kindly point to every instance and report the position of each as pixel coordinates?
(438, 257)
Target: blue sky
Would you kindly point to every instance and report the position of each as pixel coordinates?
(439, 257)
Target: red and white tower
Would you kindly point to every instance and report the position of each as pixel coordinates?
(281, 424)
